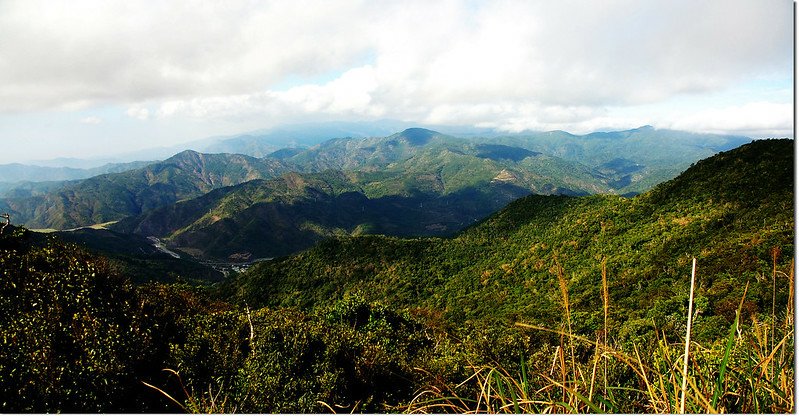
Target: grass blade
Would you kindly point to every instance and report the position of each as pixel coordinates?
(727, 350)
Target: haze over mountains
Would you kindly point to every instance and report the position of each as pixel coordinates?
(257, 143)
(415, 182)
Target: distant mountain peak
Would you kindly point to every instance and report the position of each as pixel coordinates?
(418, 136)
(183, 155)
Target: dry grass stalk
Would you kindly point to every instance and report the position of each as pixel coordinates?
(249, 320)
(775, 252)
(788, 324)
(562, 358)
(688, 337)
(554, 359)
(441, 398)
(789, 311)
(606, 308)
(741, 383)
(564, 291)
(597, 357)
(605, 298)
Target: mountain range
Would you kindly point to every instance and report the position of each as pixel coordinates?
(415, 182)
(730, 211)
(110, 197)
(571, 299)
(18, 180)
(16, 172)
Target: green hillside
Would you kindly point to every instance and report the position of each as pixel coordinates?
(416, 182)
(632, 161)
(268, 218)
(114, 196)
(620, 162)
(729, 211)
(402, 164)
(506, 316)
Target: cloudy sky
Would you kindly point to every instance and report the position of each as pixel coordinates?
(89, 78)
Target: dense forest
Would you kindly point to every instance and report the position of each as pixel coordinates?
(553, 304)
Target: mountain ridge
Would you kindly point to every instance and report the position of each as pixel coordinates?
(502, 267)
(17, 172)
(413, 160)
(110, 197)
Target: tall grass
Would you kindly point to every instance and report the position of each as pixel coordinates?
(564, 291)
(751, 370)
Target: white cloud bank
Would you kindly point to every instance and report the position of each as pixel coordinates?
(758, 118)
(572, 65)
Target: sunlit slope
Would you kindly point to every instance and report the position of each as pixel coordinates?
(732, 211)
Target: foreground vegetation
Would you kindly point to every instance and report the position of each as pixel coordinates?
(553, 305)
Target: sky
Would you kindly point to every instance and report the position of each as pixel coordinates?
(95, 78)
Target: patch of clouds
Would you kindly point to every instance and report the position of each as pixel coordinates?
(348, 95)
(351, 92)
(218, 107)
(62, 54)
(758, 119)
(139, 113)
(91, 120)
(515, 65)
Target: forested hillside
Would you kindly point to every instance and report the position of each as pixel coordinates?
(268, 218)
(114, 196)
(553, 304)
(416, 182)
(414, 161)
(729, 211)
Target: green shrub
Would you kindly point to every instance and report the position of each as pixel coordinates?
(70, 337)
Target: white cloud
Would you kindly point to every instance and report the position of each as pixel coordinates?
(139, 113)
(91, 120)
(54, 54)
(516, 64)
(755, 119)
(348, 95)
